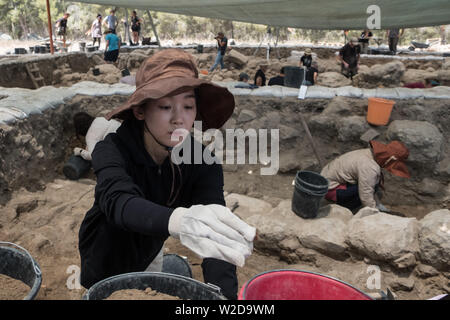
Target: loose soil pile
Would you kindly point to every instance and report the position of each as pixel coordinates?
(12, 289)
(134, 294)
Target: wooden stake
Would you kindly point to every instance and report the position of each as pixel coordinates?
(49, 18)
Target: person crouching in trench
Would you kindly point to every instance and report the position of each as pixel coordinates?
(142, 197)
(356, 176)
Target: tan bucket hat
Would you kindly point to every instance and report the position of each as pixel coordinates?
(171, 72)
(308, 51)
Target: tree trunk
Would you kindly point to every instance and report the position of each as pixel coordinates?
(23, 26)
(442, 30)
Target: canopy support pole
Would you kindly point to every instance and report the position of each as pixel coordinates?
(154, 28)
(276, 42)
(127, 29)
(50, 33)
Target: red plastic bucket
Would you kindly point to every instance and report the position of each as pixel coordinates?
(298, 285)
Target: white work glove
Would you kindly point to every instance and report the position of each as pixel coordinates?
(382, 208)
(213, 231)
(86, 155)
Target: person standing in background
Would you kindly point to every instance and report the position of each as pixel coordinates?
(363, 40)
(222, 43)
(61, 25)
(111, 21)
(394, 36)
(96, 30)
(135, 27)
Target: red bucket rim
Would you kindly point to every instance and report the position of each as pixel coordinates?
(242, 292)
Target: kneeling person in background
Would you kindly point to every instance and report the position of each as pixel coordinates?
(355, 176)
(311, 74)
(278, 80)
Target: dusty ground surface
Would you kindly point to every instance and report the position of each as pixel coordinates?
(12, 289)
(46, 223)
(147, 294)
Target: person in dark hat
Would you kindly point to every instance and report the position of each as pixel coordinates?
(355, 176)
(142, 197)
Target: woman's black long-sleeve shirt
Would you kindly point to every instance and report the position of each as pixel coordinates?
(128, 223)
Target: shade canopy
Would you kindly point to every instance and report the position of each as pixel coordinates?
(316, 14)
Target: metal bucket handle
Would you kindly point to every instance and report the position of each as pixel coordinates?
(36, 268)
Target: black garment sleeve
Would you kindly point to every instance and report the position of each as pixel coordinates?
(120, 199)
(208, 189)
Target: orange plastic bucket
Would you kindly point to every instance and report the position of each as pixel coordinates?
(379, 111)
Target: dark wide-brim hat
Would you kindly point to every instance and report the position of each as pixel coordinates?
(170, 72)
(391, 157)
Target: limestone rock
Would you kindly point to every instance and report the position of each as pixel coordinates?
(97, 59)
(424, 271)
(217, 78)
(339, 106)
(334, 211)
(429, 187)
(383, 237)
(271, 232)
(351, 128)
(289, 162)
(333, 79)
(434, 239)
(237, 58)
(254, 63)
(406, 261)
(416, 75)
(323, 124)
(386, 75)
(402, 284)
(288, 132)
(315, 234)
(365, 212)
(444, 77)
(111, 78)
(369, 135)
(248, 206)
(107, 68)
(330, 65)
(423, 139)
(246, 115)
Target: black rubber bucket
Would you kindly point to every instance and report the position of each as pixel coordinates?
(125, 72)
(20, 51)
(17, 263)
(76, 167)
(171, 284)
(310, 188)
(293, 76)
(175, 264)
(200, 48)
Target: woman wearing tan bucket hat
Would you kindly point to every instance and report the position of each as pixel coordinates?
(142, 197)
(355, 176)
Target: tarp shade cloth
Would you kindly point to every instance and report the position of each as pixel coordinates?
(308, 14)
